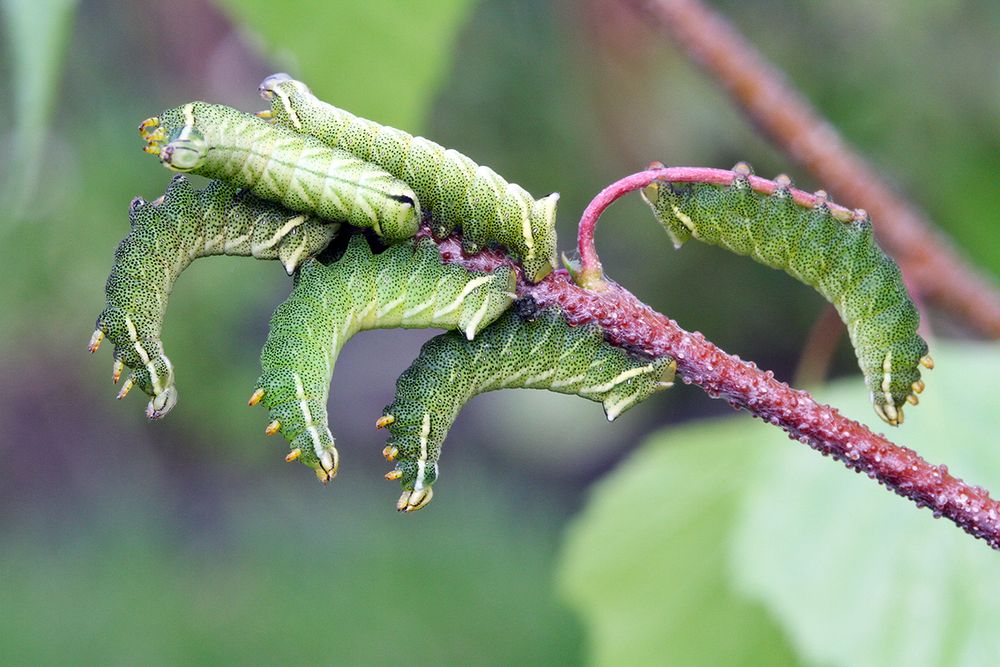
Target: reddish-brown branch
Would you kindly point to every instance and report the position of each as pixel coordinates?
(925, 256)
(628, 322)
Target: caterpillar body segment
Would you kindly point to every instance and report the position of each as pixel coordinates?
(165, 237)
(841, 260)
(277, 164)
(453, 188)
(543, 353)
(406, 285)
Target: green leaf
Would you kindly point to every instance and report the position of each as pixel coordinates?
(727, 539)
(858, 576)
(37, 33)
(646, 563)
(380, 59)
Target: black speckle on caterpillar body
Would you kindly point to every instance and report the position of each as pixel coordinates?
(406, 285)
(839, 259)
(277, 164)
(165, 237)
(456, 190)
(541, 353)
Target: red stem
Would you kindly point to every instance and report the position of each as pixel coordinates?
(629, 323)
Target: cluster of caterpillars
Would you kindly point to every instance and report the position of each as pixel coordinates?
(339, 201)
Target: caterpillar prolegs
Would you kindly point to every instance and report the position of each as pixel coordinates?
(456, 190)
(543, 353)
(406, 285)
(166, 236)
(839, 258)
(295, 170)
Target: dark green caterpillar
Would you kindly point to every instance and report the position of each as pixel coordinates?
(544, 353)
(279, 165)
(407, 285)
(166, 236)
(456, 190)
(840, 259)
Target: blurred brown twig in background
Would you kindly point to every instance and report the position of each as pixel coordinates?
(929, 262)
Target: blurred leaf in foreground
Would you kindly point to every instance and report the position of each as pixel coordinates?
(727, 542)
(854, 574)
(645, 564)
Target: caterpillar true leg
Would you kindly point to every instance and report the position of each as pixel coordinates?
(166, 236)
(544, 353)
(406, 285)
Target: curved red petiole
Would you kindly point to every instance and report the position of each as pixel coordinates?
(591, 273)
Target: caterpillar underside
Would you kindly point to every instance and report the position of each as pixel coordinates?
(838, 258)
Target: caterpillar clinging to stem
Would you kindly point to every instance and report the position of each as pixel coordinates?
(456, 190)
(406, 285)
(838, 257)
(166, 236)
(295, 170)
(541, 353)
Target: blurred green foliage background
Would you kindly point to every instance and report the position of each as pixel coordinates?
(190, 541)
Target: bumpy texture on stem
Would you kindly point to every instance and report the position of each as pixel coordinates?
(536, 351)
(629, 323)
(166, 236)
(927, 258)
(406, 285)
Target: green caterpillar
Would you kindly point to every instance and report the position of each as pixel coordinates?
(407, 285)
(166, 236)
(543, 353)
(839, 259)
(279, 165)
(456, 190)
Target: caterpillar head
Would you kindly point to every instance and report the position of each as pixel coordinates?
(186, 151)
(281, 84)
(173, 136)
(162, 403)
(151, 370)
(282, 90)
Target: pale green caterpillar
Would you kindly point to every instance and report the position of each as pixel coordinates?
(543, 353)
(456, 190)
(166, 236)
(279, 165)
(840, 259)
(406, 285)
